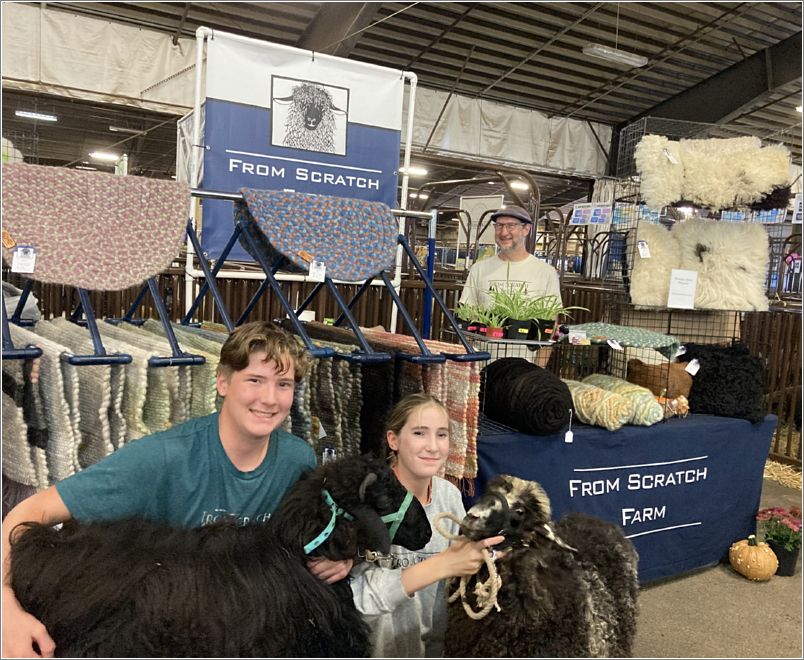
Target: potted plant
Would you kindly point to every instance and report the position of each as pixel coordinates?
(472, 317)
(495, 322)
(781, 529)
(544, 311)
(513, 305)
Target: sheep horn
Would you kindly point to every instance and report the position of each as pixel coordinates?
(369, 479)
(373, 534)
(549, 532)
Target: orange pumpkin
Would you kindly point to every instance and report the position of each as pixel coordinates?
(755, 560)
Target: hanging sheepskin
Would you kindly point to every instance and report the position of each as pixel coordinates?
(658, 161)
(731, 260)
(716, 173)
(650, 276)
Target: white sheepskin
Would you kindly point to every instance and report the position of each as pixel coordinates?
(661, 178)
(716, 173)
(650, 278)
(731, 261)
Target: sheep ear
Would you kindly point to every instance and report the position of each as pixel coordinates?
(369, 479)
(372, 531)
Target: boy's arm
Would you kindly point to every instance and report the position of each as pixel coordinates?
(20, 629)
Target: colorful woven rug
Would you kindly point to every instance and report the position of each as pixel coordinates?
(354, 238)
(91, 229)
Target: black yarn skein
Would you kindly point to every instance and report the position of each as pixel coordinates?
(525, 397)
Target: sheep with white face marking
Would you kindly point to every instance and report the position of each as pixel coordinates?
(310, 123)
(568, 589)
(141, 589)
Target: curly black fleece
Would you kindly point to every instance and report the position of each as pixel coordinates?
(135, 588)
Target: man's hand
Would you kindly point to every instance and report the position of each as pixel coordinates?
(21, 631)
(328, 570)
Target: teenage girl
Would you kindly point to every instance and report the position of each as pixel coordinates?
(406, 605)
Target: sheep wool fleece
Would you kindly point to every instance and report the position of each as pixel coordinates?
(404, 626)
(183, 477)
(540, 279)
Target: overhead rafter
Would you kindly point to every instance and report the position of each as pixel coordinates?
(727, 94)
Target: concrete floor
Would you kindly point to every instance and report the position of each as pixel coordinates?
(717, 613)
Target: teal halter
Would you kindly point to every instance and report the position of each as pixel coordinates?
(335, 511)
(397, 517)
(324, 535)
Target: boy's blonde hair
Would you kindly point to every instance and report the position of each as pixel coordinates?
(281, 347)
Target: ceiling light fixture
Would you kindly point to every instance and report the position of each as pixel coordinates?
(35, 115)
(102, 155)
(121, 129)
(413, 171)
(798, 108)
(615, 55)
(84, 167)
(519, 185)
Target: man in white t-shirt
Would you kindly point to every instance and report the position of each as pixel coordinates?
(513, 265)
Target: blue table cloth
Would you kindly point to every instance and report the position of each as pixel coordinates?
(683, 490)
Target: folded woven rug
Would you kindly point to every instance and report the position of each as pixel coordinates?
(354, 238)
(93, 230)
(63, 434)
(601, 333)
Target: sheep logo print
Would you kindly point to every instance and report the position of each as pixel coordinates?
(309, 115)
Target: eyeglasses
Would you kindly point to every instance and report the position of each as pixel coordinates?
(510, 226)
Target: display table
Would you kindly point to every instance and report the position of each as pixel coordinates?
(682, 490)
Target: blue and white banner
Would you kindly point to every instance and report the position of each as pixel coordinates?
(280, 118)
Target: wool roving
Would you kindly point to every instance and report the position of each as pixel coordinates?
(599, 407)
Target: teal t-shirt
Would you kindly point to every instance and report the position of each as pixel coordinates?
(183, 477)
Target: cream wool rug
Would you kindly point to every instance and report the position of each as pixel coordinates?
(63, 431)
(95, 390)
(204, 394)
(169, 388)
(21, 462)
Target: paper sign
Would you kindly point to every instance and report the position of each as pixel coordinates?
(317, 272)
(797, 210)
(24, 259)
(644, 250)
(682, 289)
(692, 367)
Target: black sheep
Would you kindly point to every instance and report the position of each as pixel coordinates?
(137, 588)
(568, 590)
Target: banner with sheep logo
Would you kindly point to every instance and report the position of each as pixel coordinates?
(280, 118)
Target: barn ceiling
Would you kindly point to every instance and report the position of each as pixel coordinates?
(737, 64)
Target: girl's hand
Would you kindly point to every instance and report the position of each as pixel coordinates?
(465, 557)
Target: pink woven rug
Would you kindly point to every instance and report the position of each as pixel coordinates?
(90, 229)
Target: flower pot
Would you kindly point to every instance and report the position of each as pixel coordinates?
(472, 326)
(517, 329)
(541, 329)
(495, 333)
(787, 558)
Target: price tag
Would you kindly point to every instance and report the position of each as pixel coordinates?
(692, 367)
(328, 455)
(670, 157)
(318, 271)
(614, 344)
(568, 437)
(680, 351)
(797, 266)
(644, 250)
(24, 259)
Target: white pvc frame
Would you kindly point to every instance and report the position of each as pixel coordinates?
(191, 273)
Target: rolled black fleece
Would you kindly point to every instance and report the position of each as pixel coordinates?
(525, 397)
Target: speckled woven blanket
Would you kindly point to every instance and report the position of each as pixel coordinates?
(91, 229)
